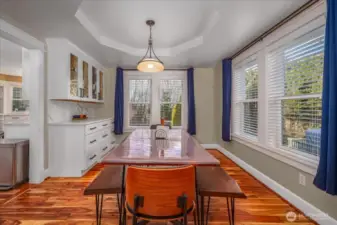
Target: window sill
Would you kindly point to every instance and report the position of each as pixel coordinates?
(291, 158)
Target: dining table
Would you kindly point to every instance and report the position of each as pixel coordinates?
(142, 148)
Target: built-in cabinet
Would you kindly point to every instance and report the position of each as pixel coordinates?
(75, 147)
(72, 74)
(13, 107)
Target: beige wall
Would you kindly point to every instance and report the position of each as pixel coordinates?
(282, 173)
(217, 92)
(204, 99)
(107, 109)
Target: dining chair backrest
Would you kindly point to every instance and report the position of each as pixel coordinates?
(161, 190)
(154, 126)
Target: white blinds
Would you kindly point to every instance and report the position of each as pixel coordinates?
(245, 99)
(294, 93)
(171, 93)
(139, 102)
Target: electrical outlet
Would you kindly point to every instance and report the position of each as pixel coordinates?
(302, 179)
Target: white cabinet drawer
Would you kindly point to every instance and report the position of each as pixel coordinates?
(16, 118)
(91, 128)
(105, 134)
(104, 148)
(105, 124)
(92, 156)
(92, 139)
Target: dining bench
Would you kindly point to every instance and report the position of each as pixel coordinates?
(215, 182)
(107, 182)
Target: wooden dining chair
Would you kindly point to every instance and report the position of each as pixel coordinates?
(166, 194)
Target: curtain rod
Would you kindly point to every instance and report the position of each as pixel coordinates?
(164, 69)
(278, 25)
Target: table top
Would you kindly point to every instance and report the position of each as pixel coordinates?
(142, 148)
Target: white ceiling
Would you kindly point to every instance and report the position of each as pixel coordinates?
(187, 33)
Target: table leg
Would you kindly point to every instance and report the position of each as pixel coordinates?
(99, 208)
(231, 210)
(197, 196)
(121, 212)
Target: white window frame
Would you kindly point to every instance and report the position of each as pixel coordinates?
(310, 20)
(155, 93)
(241, 67)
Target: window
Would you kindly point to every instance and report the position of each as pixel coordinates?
(139, 102)
(245, 99)
(18, 104)
(171, 93)
(152, 97)
(295, 88)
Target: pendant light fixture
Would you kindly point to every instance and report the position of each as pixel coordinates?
(150, 62)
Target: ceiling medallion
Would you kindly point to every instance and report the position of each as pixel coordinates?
(150, 62)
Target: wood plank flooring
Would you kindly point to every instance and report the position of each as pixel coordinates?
(61, 201)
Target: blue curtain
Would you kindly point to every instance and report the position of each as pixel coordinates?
(226, 98)
(326, 178)
(119, 102)
(191, 129)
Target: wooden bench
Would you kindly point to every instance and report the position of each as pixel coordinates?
(215, 182)
(107, 182)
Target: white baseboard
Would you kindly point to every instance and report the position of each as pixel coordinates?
(46, 173)
(307, 208)
(210, 146)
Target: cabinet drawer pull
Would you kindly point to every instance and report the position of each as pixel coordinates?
(93, 128)
(104, 125)
(92, 141)
(15, 117)
(92, 157)
(113, 142)
(105, 148)
(104, 136)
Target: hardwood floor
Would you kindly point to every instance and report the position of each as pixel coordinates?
(61, 201)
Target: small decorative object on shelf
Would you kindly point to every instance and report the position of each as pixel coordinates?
(80, 117)
(161, 132)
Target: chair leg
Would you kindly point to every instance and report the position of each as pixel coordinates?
(99, 208)
(118, 203)
(207, 211)
(195, 217)
(182, 203)
(122, 210)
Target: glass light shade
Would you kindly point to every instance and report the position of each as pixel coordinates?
(150, 65)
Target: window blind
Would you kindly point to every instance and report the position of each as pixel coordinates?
(294, 93)
(171, 92)
(245, 99)
(139, 102)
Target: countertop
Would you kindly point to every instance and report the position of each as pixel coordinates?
(80, 122)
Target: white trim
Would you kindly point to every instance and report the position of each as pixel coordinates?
(155, 101)
(308, 209)
(210, 146)
(20, 37)
(46, 173)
